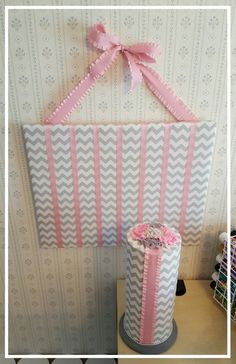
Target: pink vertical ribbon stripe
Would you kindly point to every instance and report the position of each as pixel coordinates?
(53, 183)
(187, 177)
(151, 281)
(74, 168)
(119, 142)
(142, 159)
(164, 171)
(97, 184)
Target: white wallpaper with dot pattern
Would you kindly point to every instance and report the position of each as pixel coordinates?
(63, 300)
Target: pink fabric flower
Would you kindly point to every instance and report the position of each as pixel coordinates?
(161, 234)
(140, 232)
(167, 236)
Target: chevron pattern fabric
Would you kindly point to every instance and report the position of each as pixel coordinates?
(176, 168)
(155, 139)
(62, 158)
(151, 279)
(155, 292)
(165, 299)
(86, 184)
(77, 189)
(130, 177)
(38, 165)
(108, 183)
(133, 292)
(199, 181)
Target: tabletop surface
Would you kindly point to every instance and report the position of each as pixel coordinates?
(201, 322)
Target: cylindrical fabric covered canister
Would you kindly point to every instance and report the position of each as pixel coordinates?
(153, 254)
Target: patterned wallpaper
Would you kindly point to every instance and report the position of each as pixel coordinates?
(63, 301)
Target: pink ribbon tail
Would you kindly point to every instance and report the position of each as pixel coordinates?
(75, 97)
(166, 95)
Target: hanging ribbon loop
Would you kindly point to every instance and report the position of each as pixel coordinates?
(136, 55)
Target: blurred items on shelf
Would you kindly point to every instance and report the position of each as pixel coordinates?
(219, 282)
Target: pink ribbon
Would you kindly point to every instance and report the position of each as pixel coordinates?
(151, 282)
(136, 55)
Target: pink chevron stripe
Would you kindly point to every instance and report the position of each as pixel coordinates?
(164, 171)
(74, 167)
(187, 177)
(151, 281)
(144, 129)
(119, 141)
(97, 184)
(53, 183)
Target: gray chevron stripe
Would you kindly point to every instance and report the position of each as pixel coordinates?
(205, 136)
(62, 160)
(107, 140)
(153, 167)
(179, 137)
(85, 158)
(38, 168)
(130, 176)
(166, 293)
(133, 294)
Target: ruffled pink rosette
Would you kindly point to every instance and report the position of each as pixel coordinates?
(153, 236)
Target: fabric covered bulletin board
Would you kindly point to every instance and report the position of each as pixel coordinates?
(91, 183)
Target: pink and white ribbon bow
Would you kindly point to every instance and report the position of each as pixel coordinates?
(135, 55)
(143, 52)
